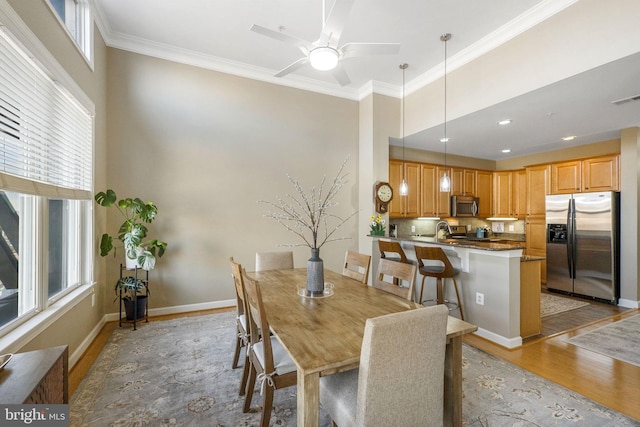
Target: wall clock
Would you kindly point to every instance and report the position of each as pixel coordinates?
(383, 195)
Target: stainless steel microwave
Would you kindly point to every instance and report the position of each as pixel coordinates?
(462, 206)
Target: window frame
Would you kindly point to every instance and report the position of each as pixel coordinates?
(83, 18)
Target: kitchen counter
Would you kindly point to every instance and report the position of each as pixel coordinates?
(473, 243)
(488, 280)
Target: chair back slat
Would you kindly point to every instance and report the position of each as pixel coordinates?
(258, 320)
(356, 266)
(236, 273)
(396, 270)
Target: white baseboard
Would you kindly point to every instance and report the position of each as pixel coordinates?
(76, 355)
(499, 339)
(628, 303)
(177, 309)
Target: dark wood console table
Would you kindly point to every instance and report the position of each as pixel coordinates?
(36, 377)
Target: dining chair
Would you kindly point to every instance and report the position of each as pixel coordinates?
(269, 362)
(390, 388)
(274, 260)
(242, 329)
(440, 268)
(356, 266)
(399, 273)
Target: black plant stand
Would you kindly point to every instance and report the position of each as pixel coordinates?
(124, 271)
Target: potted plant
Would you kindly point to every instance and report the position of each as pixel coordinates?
(132, 232)
(135, 305)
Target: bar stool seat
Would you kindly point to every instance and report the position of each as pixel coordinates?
(440, 271)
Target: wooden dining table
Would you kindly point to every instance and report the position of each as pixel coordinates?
(323, 335)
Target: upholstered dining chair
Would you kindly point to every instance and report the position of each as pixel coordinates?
(274, 260)
(242, 329)
(269, 362)
(356, 266)
(400, 274)
(390, 388)
(440, 268)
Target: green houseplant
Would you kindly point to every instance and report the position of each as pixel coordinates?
(133, 231)
(128, 287)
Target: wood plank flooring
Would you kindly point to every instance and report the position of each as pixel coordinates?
(607, 381)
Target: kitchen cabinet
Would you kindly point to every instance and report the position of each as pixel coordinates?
(519, 193)
(581, 176)
(536, 242)
(484, 192)
(502, 194)
(428, 188)
(535, 228)
(566, 177)
(530, 322)
(509, 194)
(601, 173)
(463, 182)
(537, 190)
(404, 206)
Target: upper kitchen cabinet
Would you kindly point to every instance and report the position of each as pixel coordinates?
(519, 193)
(502, 194)
(601, 173)
(586, 175)
(434, 203)
(404, 206)
(484, 192)
(463, 182)
(537, 189)
(443, 197)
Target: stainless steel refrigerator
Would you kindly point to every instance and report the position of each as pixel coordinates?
(583, 244)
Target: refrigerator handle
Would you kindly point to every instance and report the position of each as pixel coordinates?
(570, 247)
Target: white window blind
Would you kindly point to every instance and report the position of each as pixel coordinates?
(45, 134)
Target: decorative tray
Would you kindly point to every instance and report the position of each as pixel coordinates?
(328, 291)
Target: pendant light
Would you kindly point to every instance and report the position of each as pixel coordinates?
(445, 181)
(404, 188)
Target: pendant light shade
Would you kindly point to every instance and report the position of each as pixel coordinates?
(404, 188)
(445, 181)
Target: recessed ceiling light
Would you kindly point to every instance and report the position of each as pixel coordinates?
(504, 122)
(444, 139)
(569, 138)
(506, 150)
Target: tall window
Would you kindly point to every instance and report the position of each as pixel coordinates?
(46, 179)
(76, 17)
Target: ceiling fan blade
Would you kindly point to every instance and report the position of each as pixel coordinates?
(340, 75)
(350, 50)
(303, 45)
(332, 28)
(299, 63)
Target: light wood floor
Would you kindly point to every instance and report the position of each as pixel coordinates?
(607, 381)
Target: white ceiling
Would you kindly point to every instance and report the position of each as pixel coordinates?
(215, 34)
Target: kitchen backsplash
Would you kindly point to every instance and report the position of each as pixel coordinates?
(513, 230)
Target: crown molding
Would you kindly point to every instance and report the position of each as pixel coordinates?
(515, 27)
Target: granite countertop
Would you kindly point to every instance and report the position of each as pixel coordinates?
(526, 258)
(484, 244)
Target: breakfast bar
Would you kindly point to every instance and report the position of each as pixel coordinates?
(489, 282)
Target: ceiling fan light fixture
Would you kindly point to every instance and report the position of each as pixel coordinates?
(324, 58)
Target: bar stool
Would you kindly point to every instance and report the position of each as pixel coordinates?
(396, 251)
(439, 271)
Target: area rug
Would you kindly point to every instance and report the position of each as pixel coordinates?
(619, 340)
(178, 373)
(551, 304)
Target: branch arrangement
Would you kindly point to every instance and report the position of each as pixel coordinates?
(307, 214)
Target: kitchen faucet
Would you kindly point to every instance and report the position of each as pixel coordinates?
(446, 226)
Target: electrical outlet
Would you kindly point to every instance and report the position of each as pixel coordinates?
(479, 298)
(93, 300)
(413, 228)
(511, 228)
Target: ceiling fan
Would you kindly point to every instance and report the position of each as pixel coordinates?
(326, 53)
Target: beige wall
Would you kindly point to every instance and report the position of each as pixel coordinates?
(75, 326)
(205, 147)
